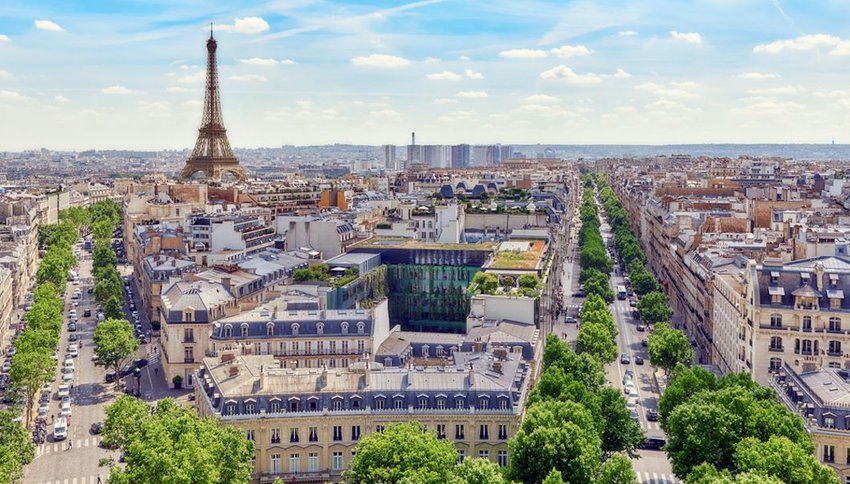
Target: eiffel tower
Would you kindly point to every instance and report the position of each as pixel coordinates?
(212, 154)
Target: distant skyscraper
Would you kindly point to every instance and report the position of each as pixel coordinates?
(505, 152)
(460, 156)
(414, 151)
(390, 162)
(212, 154)
(437, 156)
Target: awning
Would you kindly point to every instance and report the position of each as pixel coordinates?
(774, 275)
(776, 291)
(835, 293)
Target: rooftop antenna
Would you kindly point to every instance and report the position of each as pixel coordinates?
(211, 30)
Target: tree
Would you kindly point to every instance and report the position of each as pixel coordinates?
(479, 471)
(102, 229)
(29, 371)
(669, 347)
(643, 282)
(684, 383)
(701, 432)
(530, 281)
(653, 308)
(115, 341)
(602, 317)
(487, 283)
(556, 435)
(404, 452)
(172, 444)
(124, 419)
(15, 447)
(619, 432)
(583, 368)
(554, 477)
(595, 339)
(598, 284)
(616, 470)
(783, 459)
(113, 309)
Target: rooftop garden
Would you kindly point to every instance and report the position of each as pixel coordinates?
(322, 273)
(527, 285)
(404, 243)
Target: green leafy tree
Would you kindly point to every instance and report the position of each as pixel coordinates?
(530, 281)
(783, 459)
(653, 308)
(113, 308)
(404, 452)
(616, 470)
(124, 419)
(115, 341)
(598, 284)
(643, 282)
(619, 432)
(29, 371)
(173, 444)
(602, 317)
(584, 368)
(487, 283)
(479, 471)
(669, 347)
(15, 447)
(102, 229)
(556, 435)
(701, 432)
(595, 339)
(554, 477)
(684, 383)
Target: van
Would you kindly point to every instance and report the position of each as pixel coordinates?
(60, 429)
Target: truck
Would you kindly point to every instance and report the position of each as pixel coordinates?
(622, 293)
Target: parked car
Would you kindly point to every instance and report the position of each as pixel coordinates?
(72, 327)
(570, 319)
(654, 443)
(624, 359)
(87, 313)
(643, 343)
(96, 428)
(140, 363)
(64, 391)
(72, 337)
(579, 294)
(60, 429)
(634, 415)
(641, 328)
(652, 415)
(638, 360)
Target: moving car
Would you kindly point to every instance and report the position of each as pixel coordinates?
(96, 428)
(579, 294)
(652, 415)
(569, 319)
(624, 359)
(641, 328)
(60, 429)
(638, 360)
(654, 443)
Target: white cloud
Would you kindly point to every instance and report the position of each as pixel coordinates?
(245, 25)
(523, 54)
(199, 76)
(567, 51)
(384, 113)
(564, 73)
(265, 62)
(12, 95)
(194, 103)
(4, 38)
(776, 91)
(61, 99)
(689, 37)
(835, 94)
(48, 25)
(463, 58)
(686, 84)
(621, 74)
(665, 107)
(457, 116)
(177, 89)
(380, 61)
(837, 45)
(470, 74)
(676, 93)
(471, 94)
(540, 98)
(116, 90)
(444, 76)
(626, 33)
(649, 86)
(431, 60)
(154, 108)
(444, 100)
(248, 77)
(769, 108)
(758, 75)
(5, 74)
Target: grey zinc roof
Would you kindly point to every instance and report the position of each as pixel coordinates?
(195, 295)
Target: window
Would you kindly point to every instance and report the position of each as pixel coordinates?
(293, 435)
(320, 348)
(355, 402)
(249, 434)
(313, 462)
(320, 329)
(275, 464)
(441, 431)
(503, 403)
(379, 403)
(244, 330)
(187, 316)
(423, 403)
(249, 407)
(484, 432)
(361, 327)
(459, 432)
(398, 403)
(439, 351)
(293, 405)
(337, 433)
(775, 364)
(294, 328)
(807, 323)
(848, 457)
(460, 456)
(835, 348)
(460, 403)
(835, 324)
(484, 403)
(253, 463)
(274, 407)
(503, 432)
(294, 462)
(270, 329)
(231, 409)
(188, 354)
(333, 347)
(775, 320)
(425, 351)
(829, 453)
(361, 346)
(807, 346)
(296, 348)
(829, 422)
(345, 347)
(336, 461)
(355, 432)
(775, 343)
(228, 331)
(502, 458)
(337, 404)
(308, 348)
(344, 327)
(275, 436)
(379, 428)
(314, 434)
(484, 454)
(188, 335)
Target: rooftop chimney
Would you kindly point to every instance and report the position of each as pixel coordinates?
(233, 371)
(413, 137)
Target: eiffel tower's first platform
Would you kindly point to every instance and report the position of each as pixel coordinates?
(212, 154)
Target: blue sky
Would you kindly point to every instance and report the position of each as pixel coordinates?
(117, 74)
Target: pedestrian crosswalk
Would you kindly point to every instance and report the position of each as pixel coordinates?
(656, 478)
(651, 426)
(79, 480)
(54, 447)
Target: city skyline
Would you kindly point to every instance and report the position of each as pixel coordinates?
(131, 75)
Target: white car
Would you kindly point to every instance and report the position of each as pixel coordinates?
(44, 408)
(69, 366)
(60, 430)
(64, 391)
(65, 409)
(68, 378)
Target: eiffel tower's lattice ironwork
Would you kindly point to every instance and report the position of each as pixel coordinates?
(212, 154)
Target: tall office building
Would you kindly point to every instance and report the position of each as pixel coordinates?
(390, 162)
(460, 156)
(506, 152)
(414, 151)
(436, 156)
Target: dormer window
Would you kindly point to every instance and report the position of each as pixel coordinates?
(484, 403)
(243, 330)
(187, 316)
(439, 351)
(425, 351)
(776, 294)
(344, 327)
(361, 327)
(228, 331)
(270, 329)
(833, 280)
(320, 328)
(295, 329)
(774, 277)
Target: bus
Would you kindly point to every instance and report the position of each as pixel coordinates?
(621, 292)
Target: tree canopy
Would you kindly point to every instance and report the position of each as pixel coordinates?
(669, 347)
(114, 342)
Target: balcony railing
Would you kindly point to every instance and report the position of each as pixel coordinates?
(776, 349)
